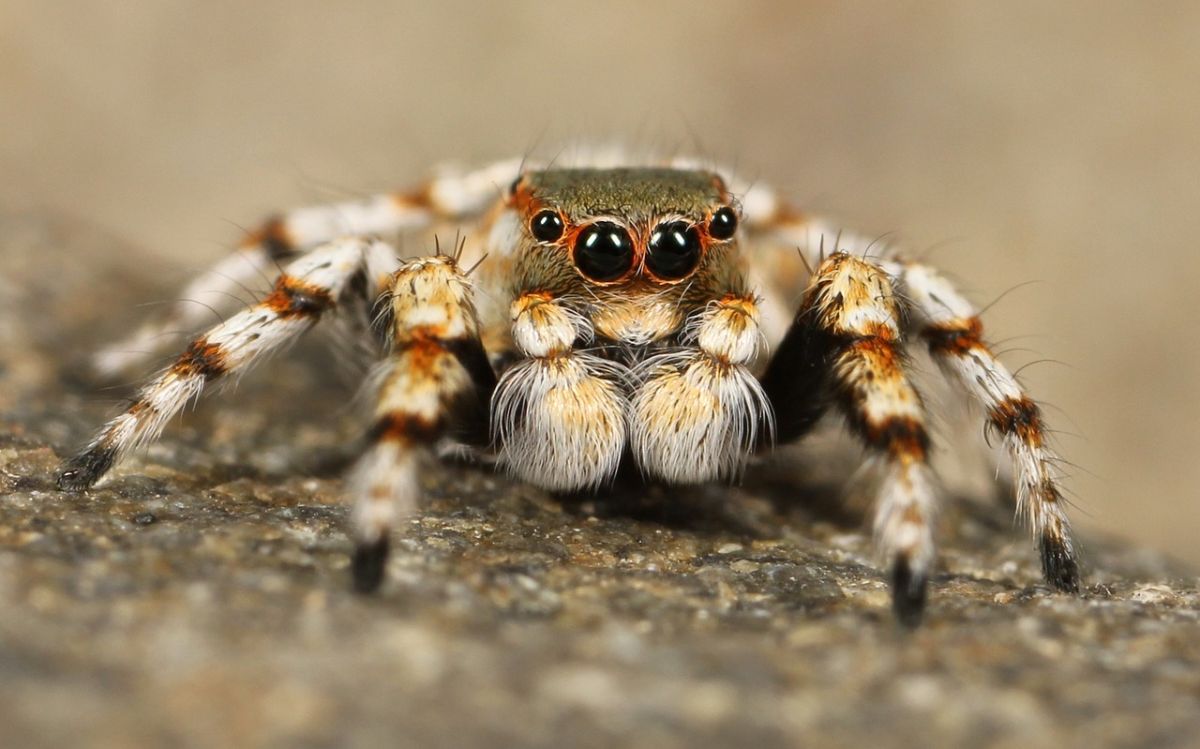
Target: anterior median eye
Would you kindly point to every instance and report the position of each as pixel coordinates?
(546, 226)
(603, 251)
(673, 250)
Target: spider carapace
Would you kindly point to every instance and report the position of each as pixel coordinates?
(659, 313)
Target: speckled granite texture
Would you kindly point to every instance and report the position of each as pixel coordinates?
(201, 597)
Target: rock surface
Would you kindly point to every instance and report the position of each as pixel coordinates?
(201, 598)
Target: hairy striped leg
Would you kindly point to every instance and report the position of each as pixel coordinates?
(558, 416)
(307, 288)
(451, 195)
(951, 326)
(699, 413)
(436, 383)
(846, 341)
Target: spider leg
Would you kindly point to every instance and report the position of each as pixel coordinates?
(448, 196)
(435, 384)
(846, 342)
(951, 326)
(308, 287)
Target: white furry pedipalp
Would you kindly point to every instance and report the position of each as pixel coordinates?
(560, 422)
(695, 418)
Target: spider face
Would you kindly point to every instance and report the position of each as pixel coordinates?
(624, 316)
(636, 228)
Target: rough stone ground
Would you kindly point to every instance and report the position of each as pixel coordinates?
(200, 598)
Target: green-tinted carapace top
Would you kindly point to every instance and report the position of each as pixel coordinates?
(630, 192)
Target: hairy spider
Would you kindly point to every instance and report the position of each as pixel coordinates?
(622, 314)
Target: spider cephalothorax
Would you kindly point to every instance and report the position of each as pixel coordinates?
(625, 314)
(632, 313)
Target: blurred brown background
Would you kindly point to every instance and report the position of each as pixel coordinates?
(1059, 144)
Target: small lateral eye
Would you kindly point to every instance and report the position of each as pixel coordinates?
(547, 226)
(673, 250)
(603, 251)
(723, 223)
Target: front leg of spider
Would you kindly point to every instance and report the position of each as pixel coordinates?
(436, 383)
(845, 343)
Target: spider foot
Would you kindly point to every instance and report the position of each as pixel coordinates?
(81, 471)
(368, 565)
(909, 589)
(1059, 566)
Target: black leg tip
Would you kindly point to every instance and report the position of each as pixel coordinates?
(368, 564)
(70, 480)
(908, 593)
(1059, 565)
(84, 470)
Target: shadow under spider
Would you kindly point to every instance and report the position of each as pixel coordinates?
(757, 507)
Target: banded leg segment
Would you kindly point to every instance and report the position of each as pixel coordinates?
(309, 287)
(849, 321)
(951, 326)
(448, 196)
(436, 383)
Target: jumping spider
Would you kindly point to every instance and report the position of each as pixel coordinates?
(621, 317)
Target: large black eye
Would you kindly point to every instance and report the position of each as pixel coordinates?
(603, 251)
(673, 250)
(723, 223)
(546, 226)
